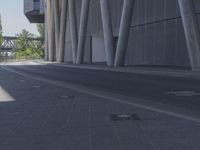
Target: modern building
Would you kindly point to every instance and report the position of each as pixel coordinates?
(120, 32)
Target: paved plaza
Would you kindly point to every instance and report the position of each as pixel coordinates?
(41, 116)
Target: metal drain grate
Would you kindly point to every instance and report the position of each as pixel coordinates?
(124, 117)
(36, 86)
(22, 80)
(67, 96)
(184, 93)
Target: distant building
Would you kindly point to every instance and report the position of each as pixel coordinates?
(154, 35)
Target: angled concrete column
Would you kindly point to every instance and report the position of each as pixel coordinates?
(46, 33)
(53, 48)
(108, 32)
(82, 31)
(62, 30)
(51, 30)
(192, 32)
(60, 5)
(124, 32)
(73, 26)
(57, 25)
(48, 3)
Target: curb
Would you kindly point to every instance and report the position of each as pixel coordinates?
(164, 73)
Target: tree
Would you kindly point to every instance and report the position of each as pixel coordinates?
(22, 40)
(27, 49)
(1, 32)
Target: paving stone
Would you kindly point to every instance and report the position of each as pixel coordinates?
(11, 147)
(140, 144)
(49, 146)
(81, 145)
(15, 140)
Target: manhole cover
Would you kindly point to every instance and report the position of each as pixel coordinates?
(124, 117)
(183, 93)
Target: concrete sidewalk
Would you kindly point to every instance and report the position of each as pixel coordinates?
(159, 71)
(41, 116)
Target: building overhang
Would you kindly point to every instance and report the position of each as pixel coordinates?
(34, 10)
(35, 16)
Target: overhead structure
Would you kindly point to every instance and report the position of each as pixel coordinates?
(34, 10)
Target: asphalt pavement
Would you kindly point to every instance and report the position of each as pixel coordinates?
(36, 115)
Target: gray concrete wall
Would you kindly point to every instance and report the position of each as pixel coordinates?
(156, 37)
(98, 49)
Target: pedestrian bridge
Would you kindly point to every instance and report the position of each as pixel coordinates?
(9, 43)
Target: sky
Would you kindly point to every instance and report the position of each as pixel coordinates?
(13, 18)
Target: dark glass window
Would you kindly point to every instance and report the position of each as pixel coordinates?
(36, 5)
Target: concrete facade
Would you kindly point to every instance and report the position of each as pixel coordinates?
(157, 35)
